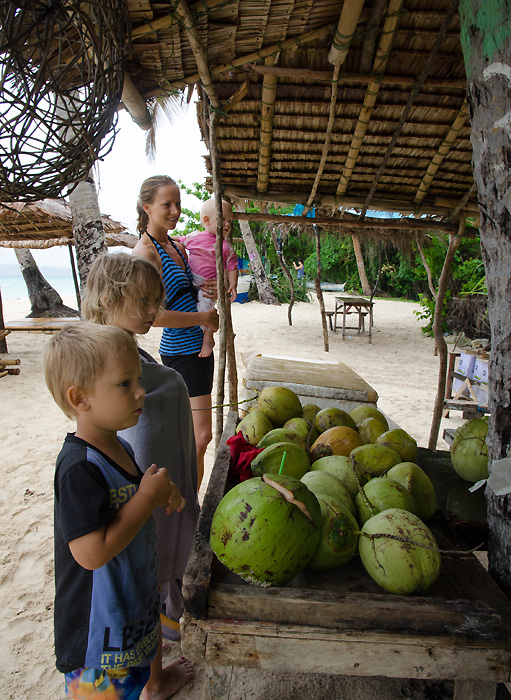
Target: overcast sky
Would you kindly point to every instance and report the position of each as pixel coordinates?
(179, 152)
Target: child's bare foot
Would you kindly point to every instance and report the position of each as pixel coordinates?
(207, 344)
(172, 679)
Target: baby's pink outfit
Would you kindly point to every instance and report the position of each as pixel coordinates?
(202, 260)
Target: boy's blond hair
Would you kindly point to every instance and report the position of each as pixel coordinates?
(116, 283)
(77, 357)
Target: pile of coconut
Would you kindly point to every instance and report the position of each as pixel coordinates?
(328, 485)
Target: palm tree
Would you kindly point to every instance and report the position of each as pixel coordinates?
(45, 301)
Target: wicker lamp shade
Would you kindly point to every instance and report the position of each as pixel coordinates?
(61, 76)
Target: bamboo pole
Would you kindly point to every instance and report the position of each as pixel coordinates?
(404, 224)
(389, 28)
(226, 350)
(166, 21)
(346, 27)
(409, 103)
(444, 148)
(135, 104)
(268, 95)
(441, 207)
(4, 361)
(259, 55)
(454, 242)
(353, 78)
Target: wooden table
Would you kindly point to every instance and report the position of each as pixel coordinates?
(354, 305)
(340, 622)
(320, 382)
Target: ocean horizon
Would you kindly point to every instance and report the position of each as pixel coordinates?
(12, 284)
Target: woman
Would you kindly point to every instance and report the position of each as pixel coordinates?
(159, 209)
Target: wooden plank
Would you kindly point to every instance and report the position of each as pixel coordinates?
(40, 324)
(474, 690)
(197, 575)
(277, 648)
(358, 611)
(329, 379)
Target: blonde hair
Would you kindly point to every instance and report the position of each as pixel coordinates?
(147, 193)
(118, 282)
(77, 357)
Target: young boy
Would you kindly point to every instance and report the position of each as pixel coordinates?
(106, 598)
(202, 260)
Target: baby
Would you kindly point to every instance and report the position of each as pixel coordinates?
(202, 260)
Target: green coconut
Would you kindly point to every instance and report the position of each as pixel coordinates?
(375, 459)
(382, 493)
(370, 429)
(398, 566)
(309, 412)
(302, 428)
(400, 441)
(266, 529)
(254, 426)
(367, 410)
(342, 467)
(417, 482)
(282, 435)
(269, 461)
(469, 451)
(323, 483)
(280, 404)
(332, 417)
(338, 543)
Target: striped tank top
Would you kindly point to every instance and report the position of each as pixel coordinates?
(180, 295)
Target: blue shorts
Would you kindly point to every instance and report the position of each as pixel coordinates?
(106, 684)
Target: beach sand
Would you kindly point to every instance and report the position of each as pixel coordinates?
(399, 364)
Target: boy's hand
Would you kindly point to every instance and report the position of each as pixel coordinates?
(209, 289)
(156, 485)
(233, 293)
(176, 501)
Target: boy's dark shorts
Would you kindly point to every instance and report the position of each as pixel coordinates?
(196, 371)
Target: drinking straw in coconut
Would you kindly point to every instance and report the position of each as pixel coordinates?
(282, 463)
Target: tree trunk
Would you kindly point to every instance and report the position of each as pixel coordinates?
(44, 299)
(319, 291)
(88, 229)
(266, 295)
(441, 345)
(280, 256)
(485, 38)
(3, 332)
(366, 289)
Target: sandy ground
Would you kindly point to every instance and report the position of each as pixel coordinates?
(399, 364)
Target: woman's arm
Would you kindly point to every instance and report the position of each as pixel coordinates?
(185, 319)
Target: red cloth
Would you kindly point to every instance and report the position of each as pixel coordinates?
(242, 454)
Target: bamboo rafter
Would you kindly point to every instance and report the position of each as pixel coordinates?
(259, 55)
(389, 28)
(306, 74)
(346, 27)
(444, 148)
(268, 95)
(411, 99)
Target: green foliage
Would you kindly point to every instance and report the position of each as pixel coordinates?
(427, 313)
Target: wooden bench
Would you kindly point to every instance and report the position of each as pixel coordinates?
(361, 320)
(40, 325)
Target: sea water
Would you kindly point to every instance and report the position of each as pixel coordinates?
(12, 284)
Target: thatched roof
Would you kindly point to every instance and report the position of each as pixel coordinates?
(49, 223)
(384, 127)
